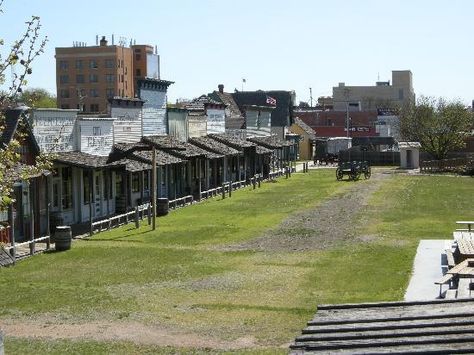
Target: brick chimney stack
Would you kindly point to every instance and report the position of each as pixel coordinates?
(221, 88)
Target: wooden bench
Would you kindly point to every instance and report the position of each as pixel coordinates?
(468, 223)
(450, 258)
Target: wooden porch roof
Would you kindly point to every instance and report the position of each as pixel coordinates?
(130, 165)
(214, 146)
(232, 141)
(162, 157)
(80, 159)
(164, 142)
(193, 151)
(270, 142)
(262, 150)
(129, 147)
(89, 161)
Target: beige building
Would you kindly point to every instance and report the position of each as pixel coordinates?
(307, 139)
(384, 94)
(87, 76)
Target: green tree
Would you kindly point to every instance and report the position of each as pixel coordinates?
(37, 97)
(18, 58)
(441, 126)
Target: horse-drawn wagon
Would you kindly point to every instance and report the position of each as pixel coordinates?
(353, 169)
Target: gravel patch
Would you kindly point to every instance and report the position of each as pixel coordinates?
(325, 226)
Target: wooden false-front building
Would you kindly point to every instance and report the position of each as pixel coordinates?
(27, 217)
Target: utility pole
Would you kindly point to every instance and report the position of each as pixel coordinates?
(311, 97)
(153, 190)
(347, 119)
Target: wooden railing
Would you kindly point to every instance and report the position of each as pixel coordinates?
(14, 247)
(144, 210)
(182, 201)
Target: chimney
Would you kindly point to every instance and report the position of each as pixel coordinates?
(103, 42)
(221, 88)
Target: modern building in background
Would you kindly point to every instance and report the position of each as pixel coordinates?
(87, 76)
(384, 94)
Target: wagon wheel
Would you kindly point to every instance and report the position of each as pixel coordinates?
(367, 173)
(339, 174)
(356, 175)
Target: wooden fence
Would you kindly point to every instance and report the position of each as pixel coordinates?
(28, 248)
(444, 165)
(373, 158)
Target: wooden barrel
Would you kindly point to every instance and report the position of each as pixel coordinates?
(62, 238)
(162, 206)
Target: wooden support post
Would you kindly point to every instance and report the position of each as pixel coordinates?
(286, 172)
(32, 219)
(48, 227)
(91, 197)
(153, 191)
(259, 179)
(128, 202)
(253, 182)
(11, 220)
(230, 188)
(137, 218)
(108, 185)
(149, 214)
(223, 190)
(199, 179)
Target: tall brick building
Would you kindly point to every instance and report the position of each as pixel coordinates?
(87, 76)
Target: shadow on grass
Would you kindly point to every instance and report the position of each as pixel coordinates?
(239, 307)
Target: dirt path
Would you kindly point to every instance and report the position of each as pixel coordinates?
(135, 332)
(322, 227)
(329, 224)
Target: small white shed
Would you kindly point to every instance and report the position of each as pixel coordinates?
(409, 155)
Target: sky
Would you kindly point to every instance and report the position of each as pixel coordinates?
(274, 45)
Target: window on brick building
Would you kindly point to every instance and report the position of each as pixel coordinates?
(63, 64)
(93, 64)
(94, 92)
(109, 63)
(79, 64)
(138, 72)
(80, 79)
(93, 78)
(110, 92)
(64, 79)
(64, 93)
(109, 78)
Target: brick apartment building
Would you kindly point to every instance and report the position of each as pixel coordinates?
(87, 76)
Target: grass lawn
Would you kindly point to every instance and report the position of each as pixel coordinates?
(184, 280)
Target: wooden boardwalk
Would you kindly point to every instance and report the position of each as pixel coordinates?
(440, 326)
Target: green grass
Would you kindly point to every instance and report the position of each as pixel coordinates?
(181, 279)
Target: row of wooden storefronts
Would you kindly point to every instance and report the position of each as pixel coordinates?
(82, 187)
